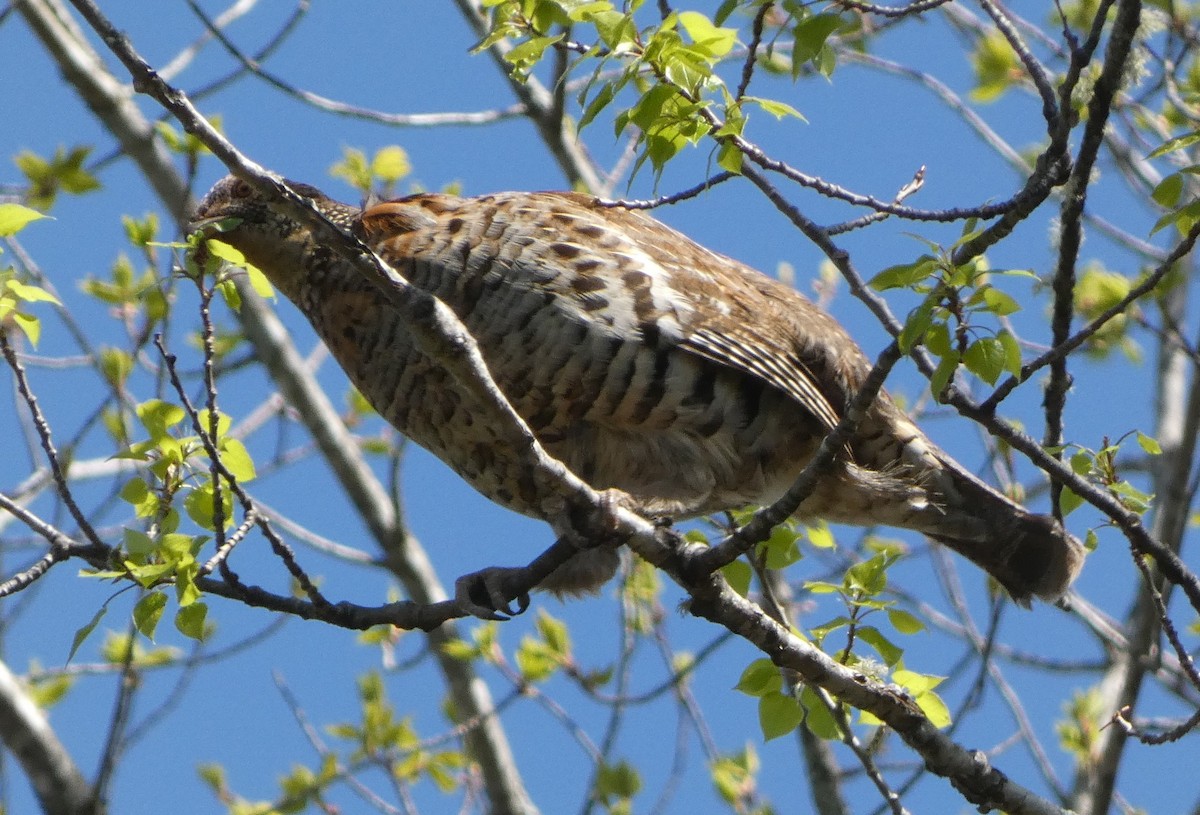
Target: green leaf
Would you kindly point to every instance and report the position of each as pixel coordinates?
(737, 574)
(138, 544)
(998, 302)
(916, 683)
(554, 632)
(1177, 143)
(86, 631)
(904, 275)
(156, 416)
(868, 577)
(526, 55)
(818, 718)
(1149, 444)
(1133, 498)
(31, 326)
(882, 645)
(1012, 352)
(620, 780)
(599, 102)
(1068, 501)
(224, 251)
(760, 678)
(29, 293)
(778, 715)
(810, 35)
(237, 460)
(919, 321)
(987, 358)
(821, 536)
(390, 164)
(779, 110)
(713, 41)
(942, 374)
(14, 218)
(1081, 462)
(904, 622)
(116, 365)
(535, 660)
(1182, 218)
(997, 68)
(1168, 191)
(148, 612)
(781, 549)
(729, 157)
(190, 620)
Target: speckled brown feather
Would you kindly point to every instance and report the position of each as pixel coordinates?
(643, 361)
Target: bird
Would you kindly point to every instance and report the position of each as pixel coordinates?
(676, 377)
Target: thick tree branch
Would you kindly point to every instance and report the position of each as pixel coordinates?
(60, 786)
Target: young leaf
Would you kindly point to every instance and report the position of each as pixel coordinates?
(189, 620)
(987, 358)
(86, 631)
(148, 612)
(778, 715)
(759, 678)
(1149, 444)
(14, 218)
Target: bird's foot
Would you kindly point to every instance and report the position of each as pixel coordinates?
(489, 594)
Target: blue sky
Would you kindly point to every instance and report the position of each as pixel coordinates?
(865, 131)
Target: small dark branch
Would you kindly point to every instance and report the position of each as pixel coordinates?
(22, 580)
(47, 441)
(907, 10)
(1065, 348)
(219, 472)
(760, 526)
(1123, 719)
(405, 614)
(984, 211)
(1063, 300)
(1081, 56)
(1071, 217)
(1037, 73)
(62, 548)
(252, 65)
(273, 44)
(836, 255)
(1186, 664)
(115, 743)
(662, 200)
(891, 798)
(1052, 170)
(210, 397)
(756, 32)
(914, 185)
(560, 68)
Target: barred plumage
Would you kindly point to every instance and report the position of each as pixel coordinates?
(643, 361)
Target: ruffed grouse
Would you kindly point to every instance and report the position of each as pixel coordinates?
(640, 359)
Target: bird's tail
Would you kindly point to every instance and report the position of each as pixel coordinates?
(1028, 554)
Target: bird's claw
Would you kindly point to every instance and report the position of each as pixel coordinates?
(489, 594)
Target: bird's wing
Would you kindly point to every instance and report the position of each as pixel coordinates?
(630, 276)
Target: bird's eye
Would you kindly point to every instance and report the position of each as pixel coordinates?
(241, 189)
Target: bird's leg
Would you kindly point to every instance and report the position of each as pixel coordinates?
(489, 593)
(577, 563)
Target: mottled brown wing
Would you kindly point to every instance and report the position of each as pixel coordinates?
(630, 276)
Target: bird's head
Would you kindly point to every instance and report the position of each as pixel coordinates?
(238, 214)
